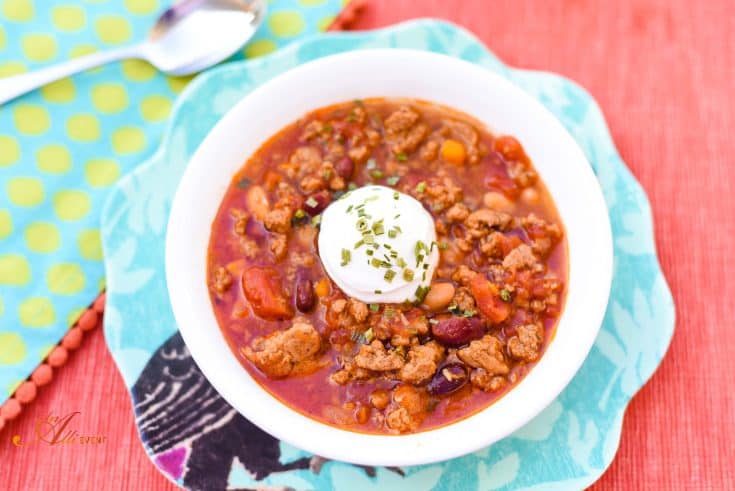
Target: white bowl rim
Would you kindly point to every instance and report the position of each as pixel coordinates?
(580, 205)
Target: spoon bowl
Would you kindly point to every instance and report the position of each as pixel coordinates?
(188, 37)
(176, 45)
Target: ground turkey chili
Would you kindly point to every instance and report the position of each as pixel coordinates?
(493, 302)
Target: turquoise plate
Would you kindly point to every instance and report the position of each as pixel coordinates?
(200, 442)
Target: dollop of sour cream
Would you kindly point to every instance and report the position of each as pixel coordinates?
(379, 245)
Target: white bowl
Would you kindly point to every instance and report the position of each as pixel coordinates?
(504, 108)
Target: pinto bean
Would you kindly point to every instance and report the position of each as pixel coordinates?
(439, 296)
(530, 196)
(257, 202)
(497, 201)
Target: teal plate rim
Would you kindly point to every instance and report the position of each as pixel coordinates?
(581, 429)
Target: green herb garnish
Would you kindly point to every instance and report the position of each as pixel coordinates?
(376, 173)
(392, 181)
(299, 213)
(505, 295)
(402, 157)
(421, 187)
(346, 257)
(408, 274)
(389, 275)
(421, 292)
(374, 307)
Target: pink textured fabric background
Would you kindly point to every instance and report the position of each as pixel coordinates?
(664, 73)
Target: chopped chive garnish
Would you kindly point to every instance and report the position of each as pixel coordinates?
(392, 233)
(346, 256)
(421, 187)
(402, 157)
(402, 264)
(396, 217)
(311, 202)
(454, 308)
(369, 252)
(443, 245)
(358, 244)
(505, 295)
(374, 197)
(369, 335)
(349, 208)
(378, 292)
(316, 221)
(352, 186)
(392, 181)
(396, 227)
(378, 228)
(408, 274)
(361, 224)
(421, 292)
(369, 239)
(389, 275)
(299, 214)
(374, 307)
(376, 173)
(468, 313)
(370, 164)
(375, 262)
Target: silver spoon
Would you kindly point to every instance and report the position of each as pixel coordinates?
(188, 37)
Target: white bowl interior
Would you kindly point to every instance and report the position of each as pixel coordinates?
(504, 108)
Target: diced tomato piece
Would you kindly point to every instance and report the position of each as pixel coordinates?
(262, 288)
(510, 148)
(488, 300)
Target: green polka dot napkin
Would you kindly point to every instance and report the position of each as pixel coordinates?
(62, 147)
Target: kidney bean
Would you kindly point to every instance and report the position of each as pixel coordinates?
(344, 168)
(448, 379)
(304, 292)
(457, 331)
(316, 202)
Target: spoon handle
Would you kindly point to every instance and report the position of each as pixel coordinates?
(12, 87)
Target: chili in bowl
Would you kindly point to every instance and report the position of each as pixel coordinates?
(386, 270)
